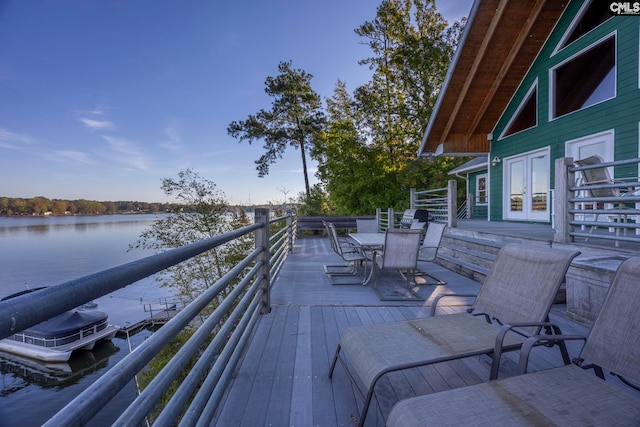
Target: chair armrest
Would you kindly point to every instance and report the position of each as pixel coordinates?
(532, 341)
(437, 299)
(509, 327)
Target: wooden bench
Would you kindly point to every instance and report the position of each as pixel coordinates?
(342, 223)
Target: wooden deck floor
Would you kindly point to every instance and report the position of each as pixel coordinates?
(282, 379)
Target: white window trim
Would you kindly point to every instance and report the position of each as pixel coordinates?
(552, 82)
(533, 87)
(571, 27)
(486, 189)
(608, 135)
(505, 184)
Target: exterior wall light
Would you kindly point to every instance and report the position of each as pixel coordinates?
(496, 161)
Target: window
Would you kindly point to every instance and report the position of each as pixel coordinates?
(586, 79)
(526, 115)
(481, 189)
(590, 16)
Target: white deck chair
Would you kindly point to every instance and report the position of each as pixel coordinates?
(564, 396)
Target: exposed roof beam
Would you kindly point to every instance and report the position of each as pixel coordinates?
(474, 69)
(515, 48)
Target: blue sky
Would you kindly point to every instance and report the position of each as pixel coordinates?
(102, 99)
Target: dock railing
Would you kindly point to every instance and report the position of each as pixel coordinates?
(218, 342)
(579, 213)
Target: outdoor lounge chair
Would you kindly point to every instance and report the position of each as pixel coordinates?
(350, 253)
(563, 396)
(429, 249)
(519, 289)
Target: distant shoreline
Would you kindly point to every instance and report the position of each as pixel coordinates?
(80, 214)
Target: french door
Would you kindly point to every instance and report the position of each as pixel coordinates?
(526, 195)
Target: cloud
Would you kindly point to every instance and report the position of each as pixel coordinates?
(75, 155)
(97, 124)
(174, 141)
(13, 140)
(131, 156)
(95, 119)
(100, 110)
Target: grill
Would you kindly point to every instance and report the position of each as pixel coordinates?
(413, 215)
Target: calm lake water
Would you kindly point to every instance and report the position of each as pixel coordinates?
(48, 251)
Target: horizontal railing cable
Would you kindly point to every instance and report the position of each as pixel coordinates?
(205, 361)
(228, 327)
(227, 370)
(28, 310)
(617, 200)
(147, 399)
(80, 410)
(215, 378)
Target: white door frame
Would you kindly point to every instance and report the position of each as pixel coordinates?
(601, 143)
(524, 161)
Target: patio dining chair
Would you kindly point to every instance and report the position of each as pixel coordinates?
(400, 252)
(600, 181)
(429, 250)
(350, 253)
(367, 226)
(518, 291)
(562, 396)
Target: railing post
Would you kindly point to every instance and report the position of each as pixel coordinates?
(412, 198)
(290, 235)
(564, 178)
(470, 205)
(452, 203)
(391, 218)
(262, 241)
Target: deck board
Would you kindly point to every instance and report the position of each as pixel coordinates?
(282, 378)
(302, 387)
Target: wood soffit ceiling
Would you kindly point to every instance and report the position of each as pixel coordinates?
(502, 41)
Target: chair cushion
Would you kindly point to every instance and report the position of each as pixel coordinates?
(565, 396)
(429, 340)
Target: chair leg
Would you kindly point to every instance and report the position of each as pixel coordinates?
(369, 396)
(335, 360)
(350, 269)
(365, 408)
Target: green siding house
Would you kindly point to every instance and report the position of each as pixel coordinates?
(532, 82)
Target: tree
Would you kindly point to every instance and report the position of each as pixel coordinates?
(294, 119)
(316, 204)
(367, 155)
(412, 47)
(202, 213)
(348, 165)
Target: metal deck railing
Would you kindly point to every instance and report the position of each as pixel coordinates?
(218, 341)
(580, 212)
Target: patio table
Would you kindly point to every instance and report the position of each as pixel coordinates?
(372, 242)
